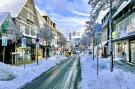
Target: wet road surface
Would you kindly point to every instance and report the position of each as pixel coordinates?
(63, 76)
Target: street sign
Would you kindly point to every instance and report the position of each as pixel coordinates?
(4, 41)
(37, 40)
(23, 42)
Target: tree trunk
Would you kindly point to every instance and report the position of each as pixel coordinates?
(46, 50)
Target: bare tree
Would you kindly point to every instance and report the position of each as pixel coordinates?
(46, 35)
(86, 38)
(62, 42)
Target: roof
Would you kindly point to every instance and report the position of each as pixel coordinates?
(3, 16)
(41, 12)
(122, 6)
(102, 14)
(12, 6)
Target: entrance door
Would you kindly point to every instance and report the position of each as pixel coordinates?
(132, 50)
(47, 52)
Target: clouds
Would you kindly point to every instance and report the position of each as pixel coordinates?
(69, 15)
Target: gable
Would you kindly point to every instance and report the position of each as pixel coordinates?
(28, 12)
(3, 17)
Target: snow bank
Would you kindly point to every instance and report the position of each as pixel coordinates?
(22, 75)
(118, 79)
(6, 72)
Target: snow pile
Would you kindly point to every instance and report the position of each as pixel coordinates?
(118, 79)
(6, 72)
(26, 75)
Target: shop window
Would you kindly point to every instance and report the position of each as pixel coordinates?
(121, 49)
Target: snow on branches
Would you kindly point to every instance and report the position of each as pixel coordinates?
(98, 5)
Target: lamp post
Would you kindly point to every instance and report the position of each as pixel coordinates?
(97, 56)
(23, 45)
(37, 46)
(93, 43)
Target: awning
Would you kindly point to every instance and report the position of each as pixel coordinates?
(103, 43)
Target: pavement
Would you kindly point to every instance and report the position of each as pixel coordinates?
(62, 76)
(125, 66)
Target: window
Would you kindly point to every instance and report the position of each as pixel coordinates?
(30, 31)
(28, 15)
(27, 31)
(32, 18)
(22, 28)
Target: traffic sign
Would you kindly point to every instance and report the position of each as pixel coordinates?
(37, 40)
(4, 41)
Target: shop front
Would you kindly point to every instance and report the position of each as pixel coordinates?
(27, 53)
(132, 51)
(8, 52)
(121, 50)
(103, 49)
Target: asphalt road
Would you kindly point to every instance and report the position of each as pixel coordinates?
(62, 76)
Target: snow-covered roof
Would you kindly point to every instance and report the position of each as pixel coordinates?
(41, 12)
(3, 16)
(102, 15)
(123, 5)
(12, 6)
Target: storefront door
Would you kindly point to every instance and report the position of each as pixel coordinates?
(132, 50)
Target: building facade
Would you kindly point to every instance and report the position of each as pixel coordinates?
(123, 34)
(8, 29)
(27, 22)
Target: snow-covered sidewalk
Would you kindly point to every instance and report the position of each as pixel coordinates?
(118, 79)
(21, 75)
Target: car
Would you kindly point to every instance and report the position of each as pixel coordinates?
(73, 52)
(67, 53)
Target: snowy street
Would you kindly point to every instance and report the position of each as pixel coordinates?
(13, 77)
(67, 44)
(62, 76)
(122, 77)
(60, 72)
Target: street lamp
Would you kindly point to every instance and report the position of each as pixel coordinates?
(37, 45)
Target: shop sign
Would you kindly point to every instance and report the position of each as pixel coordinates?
(4, 41)
(23, 42)
(114, 34)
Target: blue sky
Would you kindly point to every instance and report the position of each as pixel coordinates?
(69, 15)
